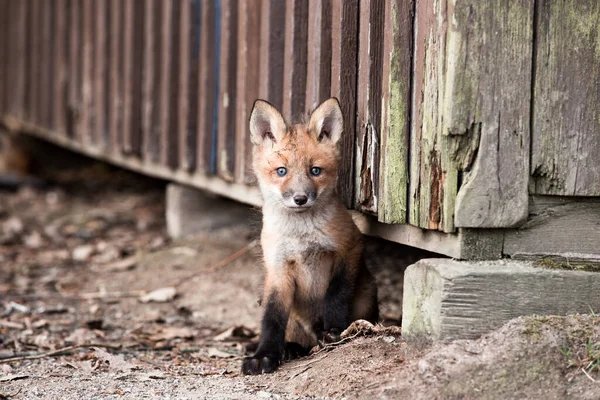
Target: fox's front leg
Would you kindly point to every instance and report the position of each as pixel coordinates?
(338, 301)
(279, 296)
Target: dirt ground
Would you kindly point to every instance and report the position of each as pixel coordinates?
(87, 266)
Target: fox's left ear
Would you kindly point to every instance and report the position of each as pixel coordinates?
(327, 121)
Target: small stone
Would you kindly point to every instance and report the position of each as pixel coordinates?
(264, 395)
(82, 253)
(13, 226)
(423, 366)
(34, 240)
(389, 339)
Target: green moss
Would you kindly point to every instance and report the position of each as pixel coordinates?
(551, 263)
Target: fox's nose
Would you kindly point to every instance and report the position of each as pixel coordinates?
(300, 199)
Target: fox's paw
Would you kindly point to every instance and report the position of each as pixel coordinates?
(294, 350)
(332, 335)
(260, 364)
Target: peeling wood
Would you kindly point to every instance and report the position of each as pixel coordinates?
(368, 104)
(395, 113)
(566, 116)
(344, 55)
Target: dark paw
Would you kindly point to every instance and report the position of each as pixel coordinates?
(332, 336)
(258, 364)
(294, 350)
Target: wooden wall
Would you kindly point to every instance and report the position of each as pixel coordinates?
(454, 111)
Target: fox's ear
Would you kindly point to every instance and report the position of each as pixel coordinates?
(327, 121)
(266, 123)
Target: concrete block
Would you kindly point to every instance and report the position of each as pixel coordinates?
(448, 299)
(190, 211)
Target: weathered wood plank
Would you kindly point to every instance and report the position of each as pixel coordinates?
(34, 59)
(18, 38)
(169, 87)
(344, 55)
(487, 92)
(86, 126)
(470, 125)
(446, 299)
(133, 31)
(566, 116)
(46, 88)
(395, 111)
(100, 73)
(75, 69)
(208, 76)
(368, 99)
(115, 87)
(227, 90)
(247, 85)
(61, 46)
(151, 74)
(295, 56)
(557, 226)
(272, 43)
(188, 82)
(4, 37)
(318, 77)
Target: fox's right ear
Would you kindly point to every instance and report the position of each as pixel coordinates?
(266, 123)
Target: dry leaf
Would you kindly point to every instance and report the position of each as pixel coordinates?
(239, 332)
(161, 295)
(173, 333)
(216, 353)
(121, 265)
(114, 361)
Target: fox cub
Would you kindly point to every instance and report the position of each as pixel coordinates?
(316, 280)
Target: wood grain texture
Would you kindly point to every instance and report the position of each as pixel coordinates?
(61, 46)
(207, 84)
(470, 119)
(17, 46)
(567, 227)
(446, 299)
(188, 82)
(4, 37)
(169, 87)
(34, 60)
(86, 125)
(294, 61)
(489, 91)
(395, 111)
(368, 104)
(344, 67)
(46, 85)
(227, 90)
(151, 78)
(75, 69)
(115, 75)
(133, 33)
(272, 42)
(318, 77)
(247, 85)
(566, 117)
(101, 72)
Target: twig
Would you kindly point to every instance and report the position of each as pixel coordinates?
(301, 372)
(218, 265)
(588, 375)
(58, 352)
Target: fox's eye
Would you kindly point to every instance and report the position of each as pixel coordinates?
(315, 171)
(281, 171)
